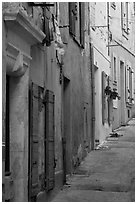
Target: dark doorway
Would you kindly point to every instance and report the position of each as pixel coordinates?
(122, 91)
(66, 140)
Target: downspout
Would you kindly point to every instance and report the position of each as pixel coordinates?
(108, 26)
(92, 96)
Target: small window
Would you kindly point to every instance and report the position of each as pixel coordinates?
(115, 78)
(76, 21)
(125, 17)
(130, 84)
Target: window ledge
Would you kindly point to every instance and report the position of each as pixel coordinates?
(20, 24)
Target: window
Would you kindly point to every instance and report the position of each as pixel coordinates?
(124, 17)
(114, 65)
(132, 73)
(129, 84)
(76, 21)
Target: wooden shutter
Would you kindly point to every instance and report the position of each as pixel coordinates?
(127, 82)
(50, 152)
(130, 84)
(72, 18)
(34, 118)
(82, 22)
(103, 97)
(110, 103)
(46, 26)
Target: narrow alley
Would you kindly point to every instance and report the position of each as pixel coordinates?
(107, 174)
(68, 101)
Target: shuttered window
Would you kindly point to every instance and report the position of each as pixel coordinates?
(82, 20)
(126, 93)
(114, 69)
(47, 26)
(124, 17)
(34, 118)
(35, 108)
(77, 21)
(72, 17)
(127, 83)
(49, 141)
(130, 84)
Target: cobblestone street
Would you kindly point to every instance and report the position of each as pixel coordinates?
(107, 174)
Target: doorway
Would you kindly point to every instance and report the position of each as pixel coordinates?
(66, 140)
(122, 91)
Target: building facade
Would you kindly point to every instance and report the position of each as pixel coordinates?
(47, 90)
(122, 49)
(60, 74)
(102, 69)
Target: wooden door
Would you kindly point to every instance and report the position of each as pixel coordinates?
(35, 102)
(49, 142)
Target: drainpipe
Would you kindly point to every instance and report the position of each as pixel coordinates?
(92, 96)
(108, 26)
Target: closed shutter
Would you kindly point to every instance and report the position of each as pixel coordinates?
(72, 18)
(130, 84)
(50, 152)
(47, 26)
(132, 95)
(34, 118)
(127, 83)
(82, 22)
(103, 97)
(110, 103)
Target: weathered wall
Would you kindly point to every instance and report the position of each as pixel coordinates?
(77, 69)
(19, 136)
(45, 72)
(101, 131)
(18, 64)
(124, 54)
(115, 25)
(52, 82)
(18, 117)
(98, 13)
